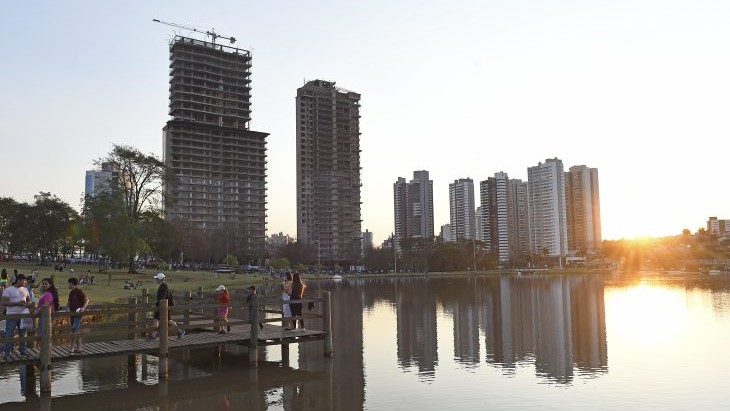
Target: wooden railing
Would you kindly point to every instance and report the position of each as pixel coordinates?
(133, 321)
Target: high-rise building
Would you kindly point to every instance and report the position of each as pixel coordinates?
(547, 215)
(367, 242)
(98, 180)
(583, 208)
(445, 233)
(220, 198)
(461, 209)
(413, 207)
(495, 199)
(519, 218)
(328, 171)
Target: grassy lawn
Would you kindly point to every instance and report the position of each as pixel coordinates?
(109, 286)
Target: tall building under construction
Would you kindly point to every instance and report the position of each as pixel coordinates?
(219, 201)
(328, 172)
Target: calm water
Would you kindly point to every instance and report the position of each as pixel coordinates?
(531, 342)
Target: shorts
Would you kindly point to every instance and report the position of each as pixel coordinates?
(75, 324)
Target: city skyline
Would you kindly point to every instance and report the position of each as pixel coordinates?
(637, 91)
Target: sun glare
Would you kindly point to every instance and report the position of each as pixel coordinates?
(648, 314)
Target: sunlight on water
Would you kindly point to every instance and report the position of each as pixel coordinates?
(495, 342)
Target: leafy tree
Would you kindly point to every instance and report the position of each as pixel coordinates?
(107, 226)
(51, 220)
(139, 179)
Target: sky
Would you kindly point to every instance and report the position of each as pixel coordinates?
(639, 89)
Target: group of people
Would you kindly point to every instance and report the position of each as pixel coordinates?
(292, 288)
(19, 298)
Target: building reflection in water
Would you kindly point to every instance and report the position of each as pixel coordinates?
(556, 322)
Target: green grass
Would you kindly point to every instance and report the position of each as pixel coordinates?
(109, 287)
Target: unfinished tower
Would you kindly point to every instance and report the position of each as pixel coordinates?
(328, 171)
(219, 202)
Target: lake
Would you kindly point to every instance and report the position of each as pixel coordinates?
(542, 342)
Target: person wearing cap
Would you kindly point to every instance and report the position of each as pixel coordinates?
(223, 299)
(16, 300)
(164, 293)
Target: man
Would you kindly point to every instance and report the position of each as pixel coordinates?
(163, 293)
(77, 303)
(16, 301)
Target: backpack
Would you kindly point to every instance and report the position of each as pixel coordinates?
(170, 298)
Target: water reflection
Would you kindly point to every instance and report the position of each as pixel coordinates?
(556, 322)
(457, 336)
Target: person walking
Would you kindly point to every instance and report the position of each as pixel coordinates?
(297, 292)
(223, 299)
(48, 297)
(164, 293)
(285, 297)
(77, 303)
(16, 300)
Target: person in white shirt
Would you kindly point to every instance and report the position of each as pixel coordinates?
(16, 300)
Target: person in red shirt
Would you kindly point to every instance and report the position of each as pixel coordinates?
(223, 300)
(77, 303)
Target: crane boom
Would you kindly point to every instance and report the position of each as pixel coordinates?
(213, 35)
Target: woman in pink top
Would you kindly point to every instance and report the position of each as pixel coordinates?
(50, 297)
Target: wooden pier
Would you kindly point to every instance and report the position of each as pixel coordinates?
(118, 330)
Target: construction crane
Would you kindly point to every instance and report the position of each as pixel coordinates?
(213, 35)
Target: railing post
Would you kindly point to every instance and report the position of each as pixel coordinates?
(146, 302)
(132, 335)
(162, 333)
(200, 292)
(186, 313)
(327, 323)
(253, 346)
(46, 345)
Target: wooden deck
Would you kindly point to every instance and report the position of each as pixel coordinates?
(269, 335)
(106, 335)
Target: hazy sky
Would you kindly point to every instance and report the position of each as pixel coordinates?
(639, 89)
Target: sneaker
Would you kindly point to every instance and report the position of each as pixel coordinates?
(228, 328)
(221, 332)
(261, 326)
(151, 338)
(180, 334)
(25, 353)
(302, 329)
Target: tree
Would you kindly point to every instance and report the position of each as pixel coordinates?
(140, 179)
(107, 226)
(51, 219)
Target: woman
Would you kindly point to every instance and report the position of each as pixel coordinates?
(224, 300)
(4, 278)
(286, 296)
(50, 297)
(297, 292)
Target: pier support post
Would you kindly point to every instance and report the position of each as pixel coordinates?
(327, 323)
(132, 335)
(162, 333)
(285, 354)
(46, 345)
(253, 345)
